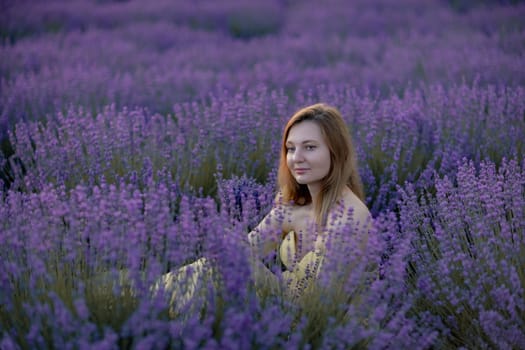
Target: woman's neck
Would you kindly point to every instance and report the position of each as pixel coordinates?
(314, 190)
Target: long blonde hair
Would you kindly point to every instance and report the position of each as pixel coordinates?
(343, 162)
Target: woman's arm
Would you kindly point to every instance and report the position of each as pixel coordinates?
(265, 237)
(262, 240)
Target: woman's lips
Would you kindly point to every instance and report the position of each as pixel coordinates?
(300, 171)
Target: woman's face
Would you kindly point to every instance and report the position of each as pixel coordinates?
(308, 155)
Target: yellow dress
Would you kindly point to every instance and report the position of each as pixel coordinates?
(188, 286)
(299, 274)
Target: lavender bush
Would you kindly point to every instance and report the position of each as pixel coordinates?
(77, 270)
(397, 139)
(468, 254)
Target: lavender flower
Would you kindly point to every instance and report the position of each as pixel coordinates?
(466, 253)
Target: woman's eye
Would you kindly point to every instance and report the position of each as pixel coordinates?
(310, 148)
(290, 149)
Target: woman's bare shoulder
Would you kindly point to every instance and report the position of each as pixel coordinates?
(351, 216)
(355, 209)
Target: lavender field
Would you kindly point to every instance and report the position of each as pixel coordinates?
(139, 136)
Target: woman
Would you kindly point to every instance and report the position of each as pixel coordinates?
(320, 196)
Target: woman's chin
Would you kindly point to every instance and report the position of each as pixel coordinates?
(303, 181)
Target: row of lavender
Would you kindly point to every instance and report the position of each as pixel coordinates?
(134, 54)
(414, 138)
(124, 190)
(453, 273)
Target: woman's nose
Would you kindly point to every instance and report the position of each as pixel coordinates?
(298, 156)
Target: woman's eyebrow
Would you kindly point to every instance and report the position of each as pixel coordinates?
(303, 142)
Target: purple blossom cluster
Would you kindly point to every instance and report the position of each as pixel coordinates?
(137, 138)
(398, 139)
(63, 53)
(78, 266)
(468, 253)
